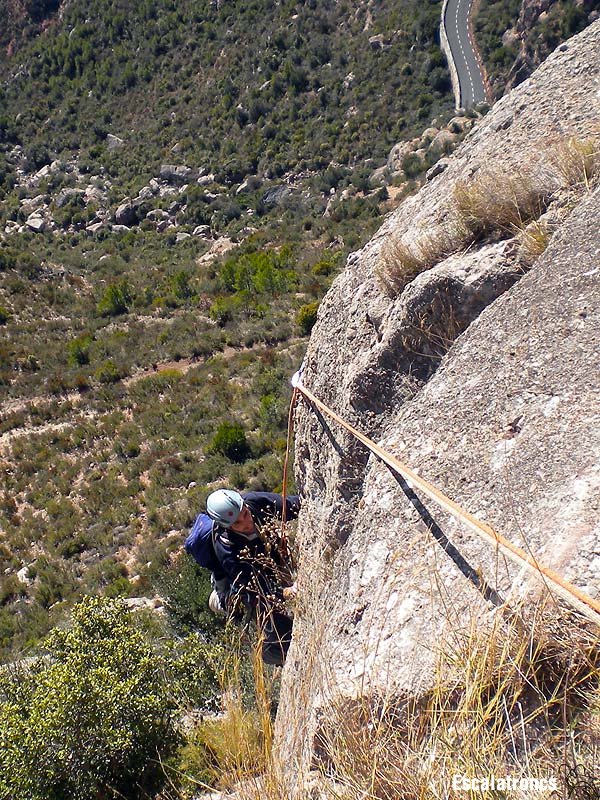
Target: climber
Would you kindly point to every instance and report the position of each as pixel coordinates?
(244, 569)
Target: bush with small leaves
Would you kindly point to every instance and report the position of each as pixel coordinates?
(79, 351)
(116, 300)
(230, 441)
(306, 317)
(93, 717)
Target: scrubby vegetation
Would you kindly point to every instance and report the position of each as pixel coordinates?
(508, 55)
(242, 88)
(138, 370)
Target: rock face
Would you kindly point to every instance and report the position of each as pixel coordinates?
(506, 422)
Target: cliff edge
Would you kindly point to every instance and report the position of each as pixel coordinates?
(465, 343)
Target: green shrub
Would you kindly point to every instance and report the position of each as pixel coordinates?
(307, 316)
(4, 315)
(108, 372)
(89, 721)
(116, 300)
(79, 351)
(230, 441)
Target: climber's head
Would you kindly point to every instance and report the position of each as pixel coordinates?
(225, 507)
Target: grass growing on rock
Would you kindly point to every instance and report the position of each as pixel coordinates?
(514, 698)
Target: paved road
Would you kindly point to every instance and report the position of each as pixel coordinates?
(472, 90)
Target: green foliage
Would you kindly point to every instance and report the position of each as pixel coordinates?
(282, 102)
(258, 273)
(230, 441)
(108, 372)
(307, 316)
(79, 351)
(116, 300)
(4, 315)
(186, 588)
(89, 719)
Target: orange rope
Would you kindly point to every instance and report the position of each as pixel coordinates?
(285, 552)
(572, 594)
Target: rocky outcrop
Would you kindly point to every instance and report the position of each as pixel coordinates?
(505, 421)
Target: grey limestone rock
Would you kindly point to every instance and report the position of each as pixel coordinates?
(126, 214)
(114, 142)
(36, 223)
(174, 174)
(65, 195)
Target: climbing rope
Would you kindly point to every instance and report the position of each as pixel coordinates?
(284, 547)
(578, 599)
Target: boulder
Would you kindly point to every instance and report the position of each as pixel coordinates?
(113, 142)
(41, 175)
(145, 193)
(443, 141)
(397, 154)
(23, 576)
(94, 227)
(11, 227)
(66, 195)
(379, 177)
(276, 195)
(36, 223)
(428, 136)
(218, 248)
(93, 194)
(126, 214)
(181, 237)
(30, 204)
(203, 231)
(378, 42)
(174, 174)
(157, 214)
(460, 124)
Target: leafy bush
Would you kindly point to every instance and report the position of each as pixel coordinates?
(108, 372)
(4, 316)
(89, 720)
(307, 316)
(79, 351)
(116, 300)
(230, 441)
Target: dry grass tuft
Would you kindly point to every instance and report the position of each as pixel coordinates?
(513, 710)
(533, 240)
(234, 746)
(578, 161)
(498, 203)
(517, 699)
(400, 263)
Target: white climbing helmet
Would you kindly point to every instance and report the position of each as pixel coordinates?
(224, 506)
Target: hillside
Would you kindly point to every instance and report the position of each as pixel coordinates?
(515, 36)
(179, 185)
(238, 88)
